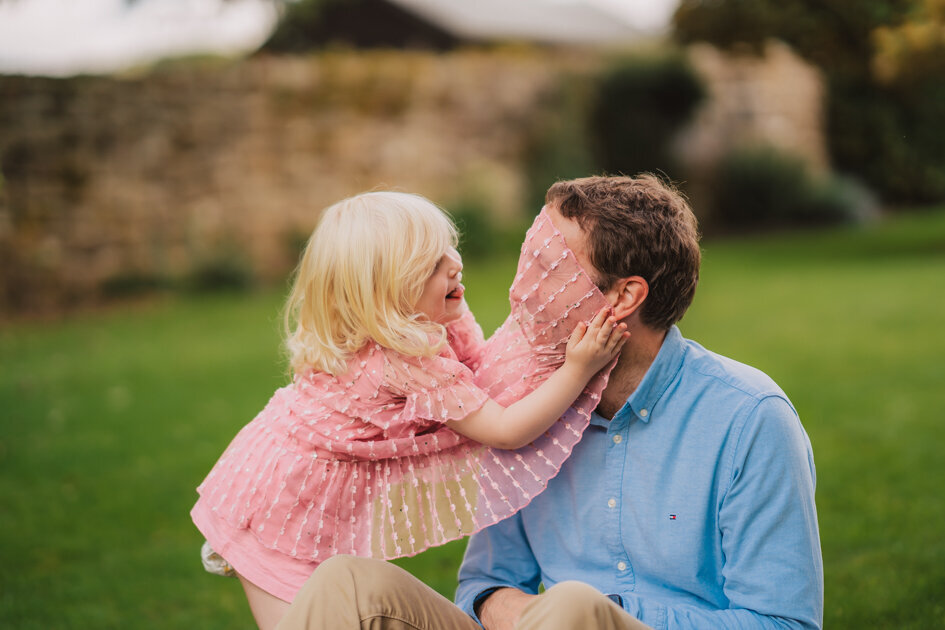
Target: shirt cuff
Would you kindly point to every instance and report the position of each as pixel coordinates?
(481, 597)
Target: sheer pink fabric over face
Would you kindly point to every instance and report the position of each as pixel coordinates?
(363, 464)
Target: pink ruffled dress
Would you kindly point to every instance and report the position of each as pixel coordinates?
(362, 463)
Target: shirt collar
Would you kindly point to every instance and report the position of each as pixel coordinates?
(661, 373)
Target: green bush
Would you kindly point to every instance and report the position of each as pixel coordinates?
(558, 144)
(223, 271)
(760, 187)
(476, 232)
(641, 102)
(294, 241)
(134, 283)
(891, 137)
(480, 236)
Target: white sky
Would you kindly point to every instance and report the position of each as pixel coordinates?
(64, 37)
(646, 15)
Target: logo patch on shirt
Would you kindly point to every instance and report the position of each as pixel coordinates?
(672, 517)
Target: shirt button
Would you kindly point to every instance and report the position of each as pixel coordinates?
(621, 566)
(612, 503)
(618, 439)
(644, 413)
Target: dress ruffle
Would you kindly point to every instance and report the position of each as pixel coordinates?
(362, 464)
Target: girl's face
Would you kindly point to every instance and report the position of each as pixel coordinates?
(442, 297)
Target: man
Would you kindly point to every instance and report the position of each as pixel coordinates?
(689, 501)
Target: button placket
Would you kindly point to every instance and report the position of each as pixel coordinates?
(609, 501)
(624, 572)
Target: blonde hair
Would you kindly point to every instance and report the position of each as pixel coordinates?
(360, 277)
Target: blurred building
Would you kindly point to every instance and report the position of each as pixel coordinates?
(577, 22)
(775, 99)
(446, 24)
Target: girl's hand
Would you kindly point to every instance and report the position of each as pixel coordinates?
(594, 345)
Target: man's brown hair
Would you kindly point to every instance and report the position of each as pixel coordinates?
(637, 226)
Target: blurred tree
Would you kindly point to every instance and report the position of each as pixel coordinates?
(913, 51)
(758, 188)
(305, 25)
(834, 34)
(884, 64)
(640, 104)
(297, 20)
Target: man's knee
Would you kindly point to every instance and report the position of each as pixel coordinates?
(346, 588)
(577, 592)
(342, 570)
(369, 580)
(335, 570)
(351, 592)
(340, 565)
(575, 600)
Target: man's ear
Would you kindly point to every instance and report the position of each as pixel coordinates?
(627, 295)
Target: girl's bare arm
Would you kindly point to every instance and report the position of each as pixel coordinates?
(590, 348)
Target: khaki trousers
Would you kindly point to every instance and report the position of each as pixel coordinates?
(346, 592)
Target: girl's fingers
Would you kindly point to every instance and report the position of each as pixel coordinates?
(599, 319)
(578, 333)
(607, 330)
(603, 330)
(619, 338)
(615, 333)
(602, 314)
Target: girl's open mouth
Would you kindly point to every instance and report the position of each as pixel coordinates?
(457, 293)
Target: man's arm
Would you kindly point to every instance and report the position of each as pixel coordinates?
(499, 561)
(502, 608)
(773, 571)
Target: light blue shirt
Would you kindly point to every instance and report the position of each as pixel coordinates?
(694, 505)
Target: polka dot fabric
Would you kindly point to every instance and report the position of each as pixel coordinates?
(363, 464)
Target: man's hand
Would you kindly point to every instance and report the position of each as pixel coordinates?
(502, 609)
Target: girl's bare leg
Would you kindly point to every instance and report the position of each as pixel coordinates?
(267, 609)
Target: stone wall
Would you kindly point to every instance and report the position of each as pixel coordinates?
(150, 177)
(108, 178)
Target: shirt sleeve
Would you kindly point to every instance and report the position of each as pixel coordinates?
(466, 339)
(497, 557)
(438, 388)
(773, 571)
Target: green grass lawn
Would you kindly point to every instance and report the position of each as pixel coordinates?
(109, 421)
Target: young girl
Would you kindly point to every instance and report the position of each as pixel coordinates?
(387, 442)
